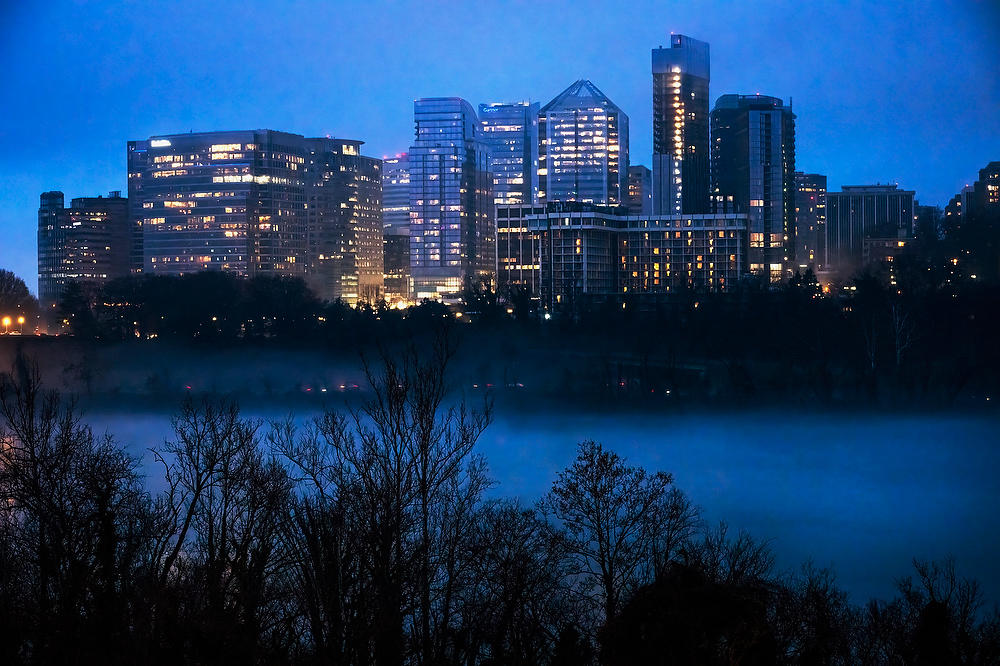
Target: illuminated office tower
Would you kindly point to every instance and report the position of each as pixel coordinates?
(88, 242)
(396, 227)
(232, 201)
(680, 127)
(510, 131)
(344, 221)
(583, 148)
(810, 220)
(259, 202)
(452, 234)
(753, 171)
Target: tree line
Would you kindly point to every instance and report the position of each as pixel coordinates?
(367, 536)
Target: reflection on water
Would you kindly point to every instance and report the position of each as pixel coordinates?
(865, 494)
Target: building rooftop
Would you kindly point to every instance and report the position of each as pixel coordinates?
(581, 93)
(757, 101)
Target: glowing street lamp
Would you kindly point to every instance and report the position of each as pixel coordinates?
(6, 324)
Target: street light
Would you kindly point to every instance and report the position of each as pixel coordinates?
(20, 323)
(6, 324)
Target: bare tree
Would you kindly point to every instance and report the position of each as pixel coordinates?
(223, 512)
(903, 329)
(610, 513)
(736, 561)
(676, 521)
(519, 598)
(75, 525)
(399, 472)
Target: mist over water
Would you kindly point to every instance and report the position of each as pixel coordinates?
(863, 494)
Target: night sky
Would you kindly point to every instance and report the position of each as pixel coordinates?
(888, 92)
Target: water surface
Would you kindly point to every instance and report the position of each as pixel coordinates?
(863, 494)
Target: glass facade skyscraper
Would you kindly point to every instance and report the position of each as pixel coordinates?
(259, 202)
(510, 131)
(396, 227)
(681, 157)
(583, 148)
(396, 194)
(452, 234)
(89, 242)
(753, 170)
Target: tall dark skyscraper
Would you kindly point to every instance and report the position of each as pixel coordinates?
(753, 170)
(860, 214)
(810, 219)
(510, 131)
(452, 234)
(583, 148)
(89, 242)
(259, 202)
(680, 127)
(344, 221)
(640, 190)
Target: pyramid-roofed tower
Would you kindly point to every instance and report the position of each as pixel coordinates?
(580, 93)
(583, 147)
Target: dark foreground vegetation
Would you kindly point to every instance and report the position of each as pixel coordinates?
(365, 537)
(928, 344)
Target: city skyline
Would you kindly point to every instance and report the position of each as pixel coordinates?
(841, 111)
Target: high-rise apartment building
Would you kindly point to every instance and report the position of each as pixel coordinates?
(396, 227)
(258, 202)
(344, 221)
(562, 252)
(583, 148)
(983, 195)
(987, 188)
(959, 205)
(863, 213)
(681, 156)
(810, 220)
(640, 190)
(452, 235)
(753, 171)
(88, 242)
(510, 131)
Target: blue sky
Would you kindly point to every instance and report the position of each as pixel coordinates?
(889, 92)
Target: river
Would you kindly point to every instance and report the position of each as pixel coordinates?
(863, 494)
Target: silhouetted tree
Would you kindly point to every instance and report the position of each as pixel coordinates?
(76, 529)
(610, 512)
